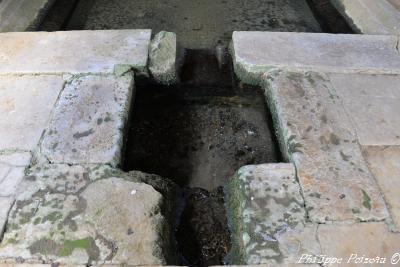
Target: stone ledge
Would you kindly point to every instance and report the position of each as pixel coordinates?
(317, 136)
(74, 52)
(22, 15)
(370, 16)
(88, 121)
(255, 53)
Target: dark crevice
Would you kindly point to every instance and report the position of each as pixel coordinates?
(329, 17)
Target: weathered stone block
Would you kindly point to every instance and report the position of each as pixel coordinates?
(86, 215)
(255, 53)
(368, 240)
(25, 106)
(88, 121)
(74, 52)
(370, 16)
(371, 100)
(9, 183)
(384, 163)
(162, 55)
(316, 134)
(265, 210)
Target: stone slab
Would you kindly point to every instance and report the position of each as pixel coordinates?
(162, 64)
(74, 51)
(9, 184)
(86, 215)
(255, 53)
(22, 15)
(315, 133)
(266, 213)
(370, 16)
(25, 106)
(88, 121)
(384, 163)
(16, 159)
(5, 206)
(368, 240)
(372, 103)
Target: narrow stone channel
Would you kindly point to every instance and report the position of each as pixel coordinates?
(199, 132)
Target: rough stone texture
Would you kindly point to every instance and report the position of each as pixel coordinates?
(83, 215)
(370, 16)
(22, 15)
(88, 121)
(25, 106)
(384, 163)
(74, 51)
(267, 216)
(369, 239)
(162, 55)
(5, 206)
(315, 133)
(254, 53)
(371, 100)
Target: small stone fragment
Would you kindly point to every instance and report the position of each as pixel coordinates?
(163, 58)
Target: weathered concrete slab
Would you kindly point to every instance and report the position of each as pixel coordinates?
(351, 242)
(5, 206)
(74, 51)
(372, 103)
(255, 53)
(370, 16)
(162, 55)
(315, 133)
(22, 15)
(266, 213)
(81, 215)
(88, 121)
(25, 106)
(384, 163)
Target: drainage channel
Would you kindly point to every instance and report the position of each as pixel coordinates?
(198, 133)
(201, 130)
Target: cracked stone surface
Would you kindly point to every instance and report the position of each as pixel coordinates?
(371, 100)
(255, 53)
(267, 216)
(384, 162)
(25, 106)
(5, 206)
(316, 134)
(82, 215)
(74, 52)
(162, 56)
(88, 121)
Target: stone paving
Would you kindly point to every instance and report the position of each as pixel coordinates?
(337, 123)
(63, 117)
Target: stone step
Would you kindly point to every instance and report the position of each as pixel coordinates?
(74, 52)
(257, 52)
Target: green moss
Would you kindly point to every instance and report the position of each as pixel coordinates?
(37, 221)
(52, 217)
(88, 244)
(366, 200)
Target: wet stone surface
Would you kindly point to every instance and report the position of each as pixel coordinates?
(84, 215)
(198, 24)
(203, 233)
